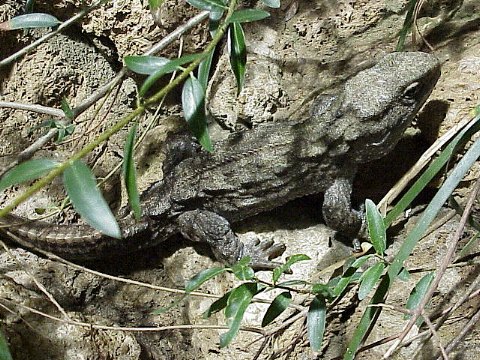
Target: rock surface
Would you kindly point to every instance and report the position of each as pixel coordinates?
(291, 56)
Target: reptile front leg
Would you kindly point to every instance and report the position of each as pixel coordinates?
(206, 226)
(338, 212)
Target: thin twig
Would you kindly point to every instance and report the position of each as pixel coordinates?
(424, 334)
(174, 35)
(441, 269)
(420, 164)
(30, 191)
(40, 109)
(465, 331)
(131, 329)
(67, 263)
(44, 38)
(92, 99)
(42, 288)
(435, 335)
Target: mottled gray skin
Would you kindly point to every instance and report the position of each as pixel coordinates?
(261, 169)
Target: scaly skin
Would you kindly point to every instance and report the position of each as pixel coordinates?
(260, 169)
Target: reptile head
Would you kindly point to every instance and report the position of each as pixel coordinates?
(382, 101)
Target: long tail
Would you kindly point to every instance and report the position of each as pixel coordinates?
(77, 241)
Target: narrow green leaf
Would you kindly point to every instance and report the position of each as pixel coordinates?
(238, 53)
(145, 65)
(237, 303)
(214, 22)
(204, 70)
(347, 278)
(407, 25)
(360, 261)
(4, 351)
(193, 103)
(244, 261)
(404, 275)
(214, 17)
(154, 4)
(164, 309)
(209, 5)
(243, 272)
(29, 6)
(316, 322)
(323, 290)
(376, 227)
(350, 275)
(27, 171)
(275, 4)
(67, 110)
(166, 68)
(29, 21)
(369, 279)
(87, 199)
(130, 173)
(371, 313)
(432, 170)
(418, 293)
(293, 283)
(205, 275)
(476, 110)
(217, 305)
(278, 271)
(278, 305)
(248, 15)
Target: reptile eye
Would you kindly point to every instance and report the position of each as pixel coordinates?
(410, 93)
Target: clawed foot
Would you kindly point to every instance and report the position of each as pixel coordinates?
(261, 252)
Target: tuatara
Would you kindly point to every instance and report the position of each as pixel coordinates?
(262, 168)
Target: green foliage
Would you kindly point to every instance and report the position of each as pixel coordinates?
(193, 103)
(204, 70)
(248, 15)
(30, 21)
(217, 305)
(209, 5)
(272, 3)
(4, 351)
(407, 25)
(27, 171)
(349, 275)
(238, 53)
(442, 195)
(277, 307)
(167, 68)
(237, 303)
(81, 188)
(203, 276)
(376, 227)
(29, 6)
(242, 270)
(145, 64)
(87, 199)
(277, 272)
(369, 279)
(316, 318)
(62, 130)
(433, 169)
(418, 293)
(67, 109)
(130, 173)
(154, 4)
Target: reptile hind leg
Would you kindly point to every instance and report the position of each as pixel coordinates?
(206, 226)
